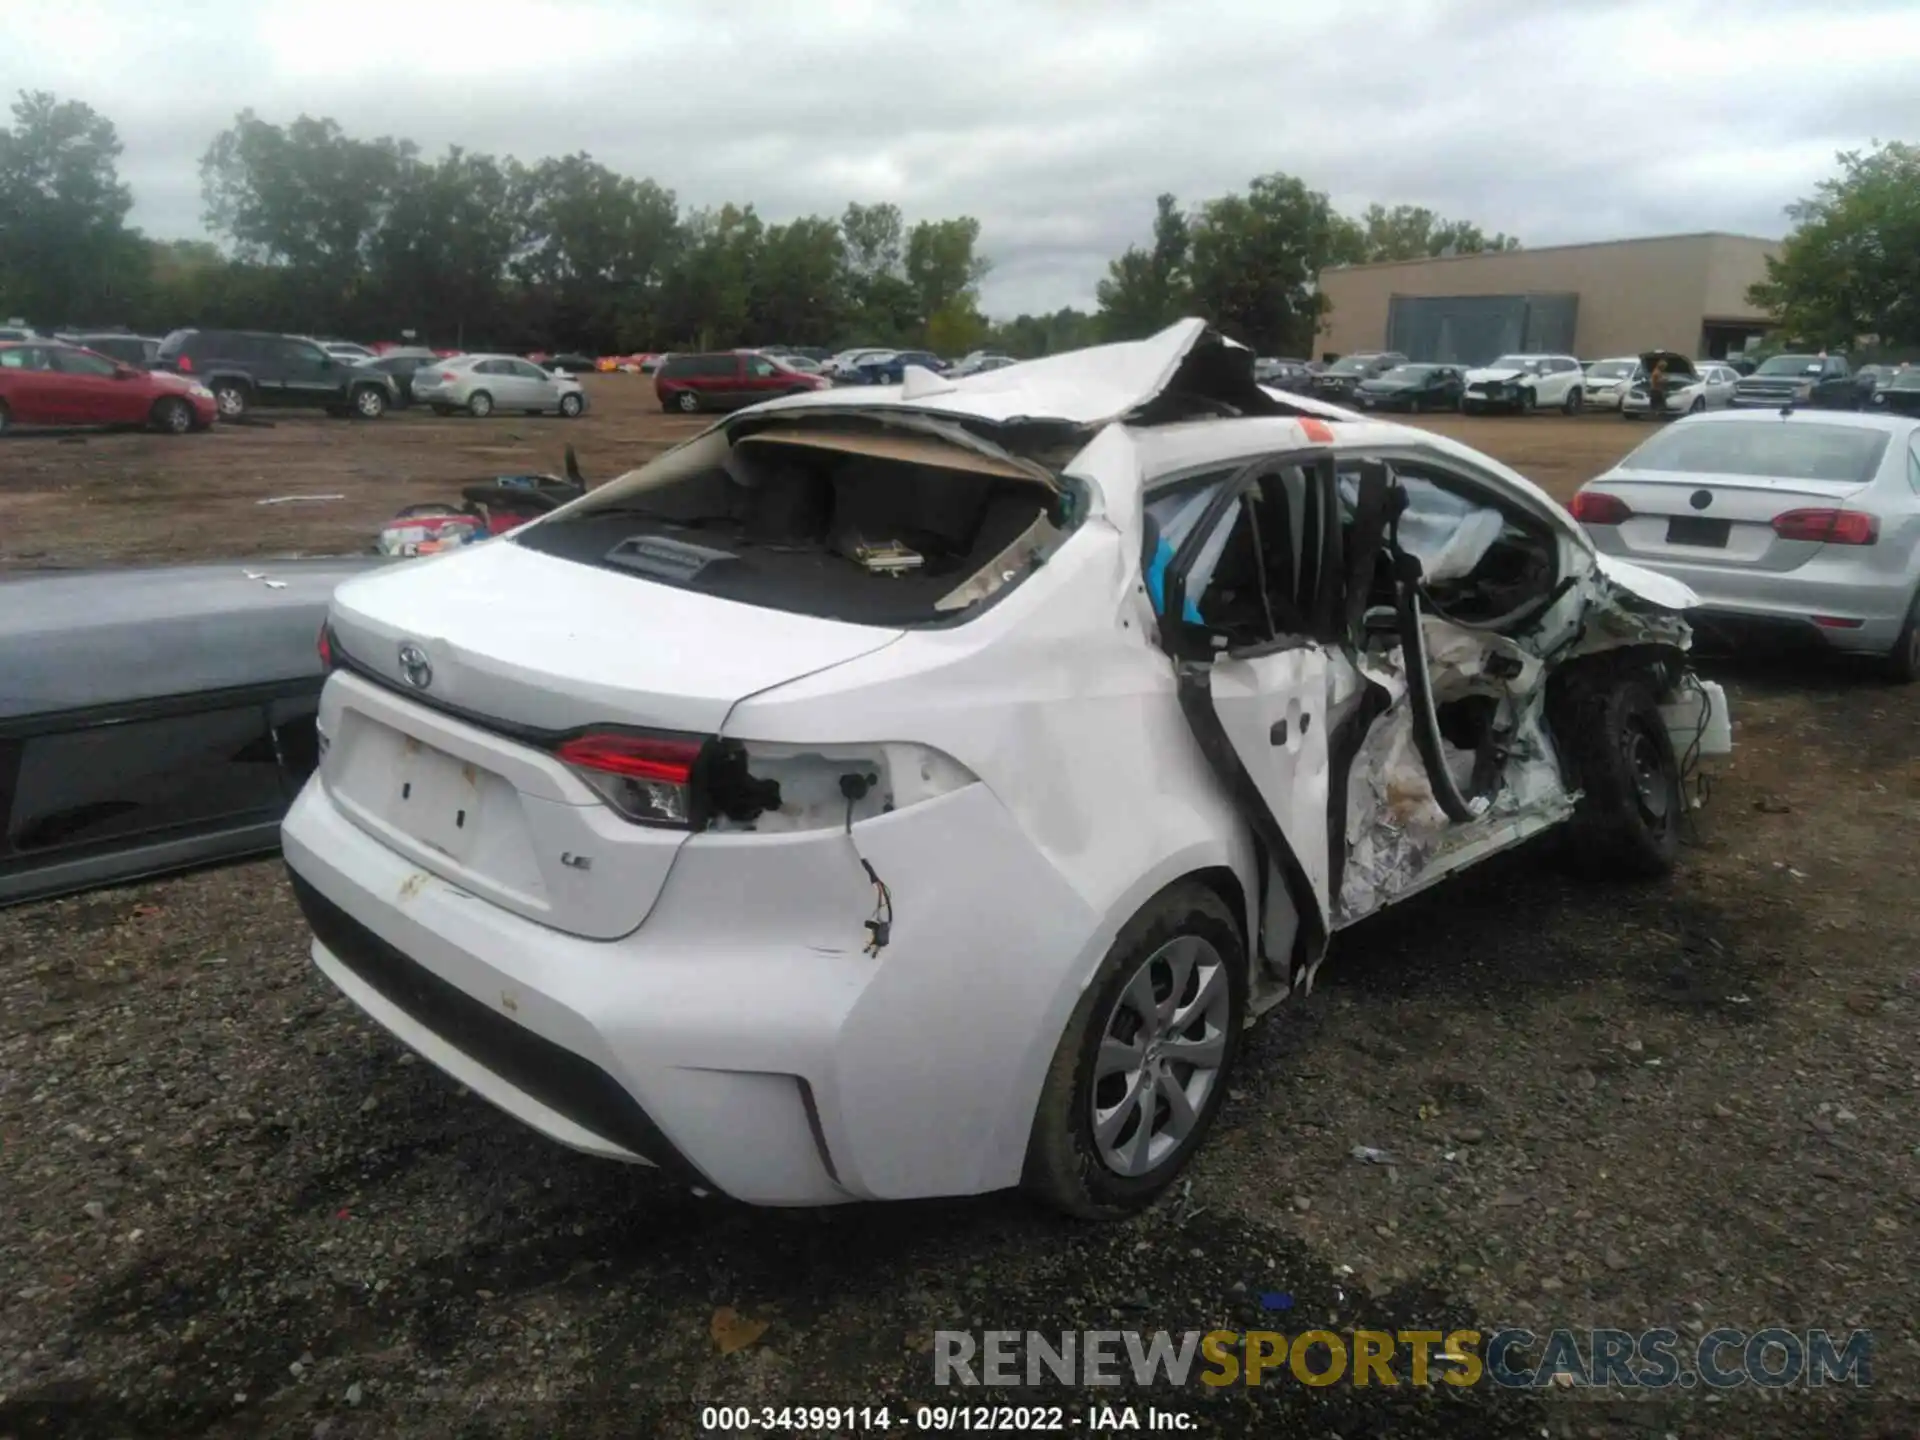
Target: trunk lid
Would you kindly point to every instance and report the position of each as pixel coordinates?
(444, 753)
(1718, 520)
(515, 636)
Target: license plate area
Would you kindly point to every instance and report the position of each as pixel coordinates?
(435, 798)
(1698, 530)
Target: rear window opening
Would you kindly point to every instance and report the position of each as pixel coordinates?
(839, 518)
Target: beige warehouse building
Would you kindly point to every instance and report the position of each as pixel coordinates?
(1673, 292)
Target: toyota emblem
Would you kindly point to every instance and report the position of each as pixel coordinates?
(415, 668)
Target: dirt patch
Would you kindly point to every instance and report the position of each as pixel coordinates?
(234, 1207)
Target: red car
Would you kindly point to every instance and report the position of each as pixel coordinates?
(46, 383)
(726, 380)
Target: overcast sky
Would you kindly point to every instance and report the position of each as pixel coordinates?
(1055, 122)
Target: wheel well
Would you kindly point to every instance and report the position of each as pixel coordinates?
(1224, 883)
(1658, 665)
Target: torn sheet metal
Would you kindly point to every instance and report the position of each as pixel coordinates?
(1398, 838)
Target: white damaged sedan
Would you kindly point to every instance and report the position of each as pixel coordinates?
(915, 790)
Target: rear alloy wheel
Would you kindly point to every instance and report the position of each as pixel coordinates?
(1571, 405)
(171, 415)
(686, 402)
(1615, 746)
(480, 404)
(571, 406)
(230, 398)
(1901, 665)
(1141, 1070)
(369, 403)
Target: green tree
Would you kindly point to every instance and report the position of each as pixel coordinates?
(1027, 336)
(66, 255)
(799, 283)
(1413, 232)
(1851, 267)
(598, 246)
(944, 271)
(1256, 258)
(307, 197)
(439, 260)
(1148, 289)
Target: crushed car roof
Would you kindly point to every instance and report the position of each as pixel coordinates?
(1080, 387)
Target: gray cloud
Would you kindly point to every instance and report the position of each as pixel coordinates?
(1055, 124)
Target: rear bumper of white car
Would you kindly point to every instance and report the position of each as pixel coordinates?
(1827, 600)
(741, 1038)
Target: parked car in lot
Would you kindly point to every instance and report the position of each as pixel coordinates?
(398, 365)
(572, 364)
(1797, 526)
(846, 364)
(1819, 382)
(726, 380)
(249, 368)
(46, 383)
(1525, 383)
(1338, 381)
(1900, 395)
(1413, 388)
(1017, 873)
(891, 369)
(1605, 383)
(483, 384)
(153, 719)
(128, 349)
(1293, 376)
(346, 350)
(1691, 388)
(978, 363)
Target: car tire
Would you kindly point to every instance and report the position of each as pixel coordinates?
(1614, 746)
(571, 406)
(369, 403)
(1185, 937)
(1524, 405)
(686, 402)
(1573, 403)
(1699, 405)
(171, 415)
(480, 404)
(442, 409)
(1626, 414)
(6, 417)
(1901, 664)
(232, 399)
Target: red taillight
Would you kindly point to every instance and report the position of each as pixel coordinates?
(1593, 507)
(448, 376)
(1828, 527)
(185, 362)
(325, 646)
(646, 778)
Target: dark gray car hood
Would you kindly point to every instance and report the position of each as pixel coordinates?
(78, 638)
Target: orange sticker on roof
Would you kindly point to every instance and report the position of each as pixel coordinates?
(1317, 430)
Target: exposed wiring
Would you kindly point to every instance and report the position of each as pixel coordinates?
(879, 926)
(1690, 759)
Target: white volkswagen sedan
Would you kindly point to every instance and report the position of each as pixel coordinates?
(915, 790)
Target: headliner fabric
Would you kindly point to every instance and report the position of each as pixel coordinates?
(910, 449)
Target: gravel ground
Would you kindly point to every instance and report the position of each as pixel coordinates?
(230, 1206)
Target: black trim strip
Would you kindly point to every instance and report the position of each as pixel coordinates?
(558, 1078)
(158, 707)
